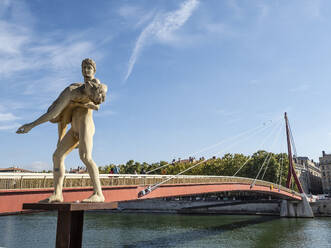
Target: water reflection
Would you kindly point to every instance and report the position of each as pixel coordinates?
(104, 229)
(181, 238)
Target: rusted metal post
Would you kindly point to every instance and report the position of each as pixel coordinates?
(70, 220)
(69, 231)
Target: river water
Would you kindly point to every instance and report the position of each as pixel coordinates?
(105, 229)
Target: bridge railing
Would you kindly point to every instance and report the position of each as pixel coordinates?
(12, 181)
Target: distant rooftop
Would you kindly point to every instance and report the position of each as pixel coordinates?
(14, 169)
(303, 158)
(324, 154)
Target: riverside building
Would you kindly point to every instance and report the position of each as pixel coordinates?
(325, 164)
(309, 174)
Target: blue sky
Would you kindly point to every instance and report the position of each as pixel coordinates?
(183, 75)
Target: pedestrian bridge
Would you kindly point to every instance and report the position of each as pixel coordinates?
(19, 188)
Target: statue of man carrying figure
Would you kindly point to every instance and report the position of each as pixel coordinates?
(75, 105)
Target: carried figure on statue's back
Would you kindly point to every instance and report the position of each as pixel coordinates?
(75, 105)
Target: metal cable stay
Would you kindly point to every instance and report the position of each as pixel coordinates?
(295, 155)
(260, 145)
(280, 172)
(292, 141)
(281, 162)
(266, 160)
(278, 136)
(230, 139)
(237, 138)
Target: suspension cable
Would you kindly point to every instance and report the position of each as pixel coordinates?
(155, 186)
(253, 183)
(275, 141)
(267, 164)
(278, 168)
(250, 157)
(280, 174)
(263, 126)
(281, 160)
(260, 145)
(247, 137)
(292, 140)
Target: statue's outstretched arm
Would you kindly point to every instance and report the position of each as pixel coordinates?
(55, 109)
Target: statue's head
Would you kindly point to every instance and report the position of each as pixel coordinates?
(88, 68)
(96, 91)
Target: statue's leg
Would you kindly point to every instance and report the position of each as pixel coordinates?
(66, 145)
(85, 152)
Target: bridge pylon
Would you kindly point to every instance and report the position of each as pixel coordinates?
(291, 169)
(288, 208)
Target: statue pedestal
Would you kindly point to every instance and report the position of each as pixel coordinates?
(70, 219)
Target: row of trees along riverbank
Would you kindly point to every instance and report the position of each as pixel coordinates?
(227, 165)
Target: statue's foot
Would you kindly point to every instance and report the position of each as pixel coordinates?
(53, 198)
(95, 198)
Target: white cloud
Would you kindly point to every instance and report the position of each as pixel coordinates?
(22, 48)
(7, 117)
(145, 18)
(7, 121)
(65, 54)
(11, 126)
(161, 29)
(25, 55)
(128, 11)
(38, 166)
(12, 38)
(135, 15)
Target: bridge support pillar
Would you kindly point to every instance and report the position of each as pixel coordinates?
(301, 209)
(283, 209)
(304, 208)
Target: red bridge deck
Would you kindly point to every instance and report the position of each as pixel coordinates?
(11, 200)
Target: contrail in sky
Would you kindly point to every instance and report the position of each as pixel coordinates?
(161, 28)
